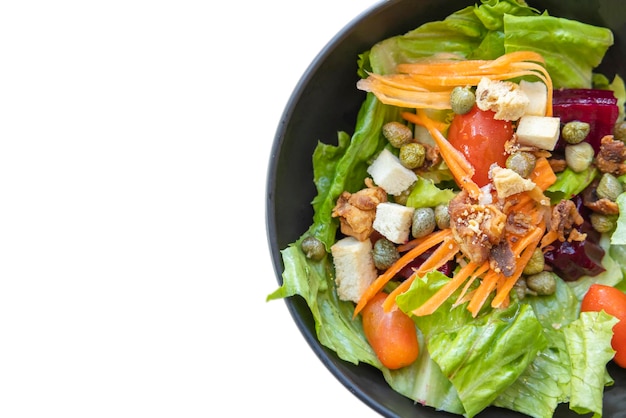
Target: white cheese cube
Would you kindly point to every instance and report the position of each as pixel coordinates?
(538, 131)
(388, 172)
(393, 221)
(537, 97)
(354, 267)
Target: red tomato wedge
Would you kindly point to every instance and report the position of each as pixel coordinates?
(612, 301)
(481, 139)
(392, 334)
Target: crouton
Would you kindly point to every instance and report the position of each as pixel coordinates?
(354, 267)
(388, 172)
(507, 182)
(393, 221)
(505, 98)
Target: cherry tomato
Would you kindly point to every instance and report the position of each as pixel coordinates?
(481, 139)
(391, 334)
(612, 301)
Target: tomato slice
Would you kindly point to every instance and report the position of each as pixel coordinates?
(481, 139)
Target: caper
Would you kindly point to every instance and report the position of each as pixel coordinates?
(442, 216)
(603, 223)
(575, 132)
(542, 283)
(423, 222)
(535, 264)
(313, 248)
(579, 156)
(384, 253)
(462, 100)
(397, 133)
(412, 155)
(609, 187)
(520, 288)
(523, 163)
(403, 197)
(619, 131)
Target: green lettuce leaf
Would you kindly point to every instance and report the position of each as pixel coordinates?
(619, 235)
(569, 183)
(481, 356)
(560, 41)
(588, 342)
(426, 194)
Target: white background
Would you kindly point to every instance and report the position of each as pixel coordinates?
(135, 137)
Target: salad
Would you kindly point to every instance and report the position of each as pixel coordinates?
(468, 238)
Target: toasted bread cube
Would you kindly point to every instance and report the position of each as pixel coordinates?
(539, 131)
(388, 172)
(394, 221)
(537, 93)
(354, 267)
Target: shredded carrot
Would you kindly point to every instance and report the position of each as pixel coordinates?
(526, 246)
(377, 285)
(461, 169)
(444, 253)
(465, 295)
(434, 78)
(543, 175)
(436, 300)
(548, 238)
(483, 291)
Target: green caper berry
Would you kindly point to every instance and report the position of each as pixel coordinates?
(423, 222)
(397, 133)
(403, 197)
(442, 216)
(412, 155)
(603, 223)
(579, 156)
(523, 163)
(520, 288)
(462, 100)
(535, 264)
(609, 187)
(619, 131)
(313, 248)
(575, 132)
(542, 283)
(385, 254)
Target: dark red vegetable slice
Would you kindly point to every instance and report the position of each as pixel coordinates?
(594, 106)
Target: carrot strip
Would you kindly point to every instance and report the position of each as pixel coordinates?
(463, 297)
(377, 285)
(444, 253)
(543, 175)
(527, 245)
(461, 169)
(548, 238)
(482, 292)
(436, 300)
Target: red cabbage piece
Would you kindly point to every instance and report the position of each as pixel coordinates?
(596, 107)
(572, 260)
(409, 269)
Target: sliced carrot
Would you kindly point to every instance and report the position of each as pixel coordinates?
(377, 285)
(526, 246)
(550, 236)
(436, 300)
(483, 291)
(437, 76)
(543, 175)
(463, 297)
(444, 253)
(461, 169)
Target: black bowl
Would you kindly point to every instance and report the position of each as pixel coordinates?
(326, 101)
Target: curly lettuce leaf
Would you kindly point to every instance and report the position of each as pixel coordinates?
(569, 183)
(480, 356)
(426, 194)
(560, 41)
(588, 342)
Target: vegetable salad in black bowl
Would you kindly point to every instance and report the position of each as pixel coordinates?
(445, 199)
